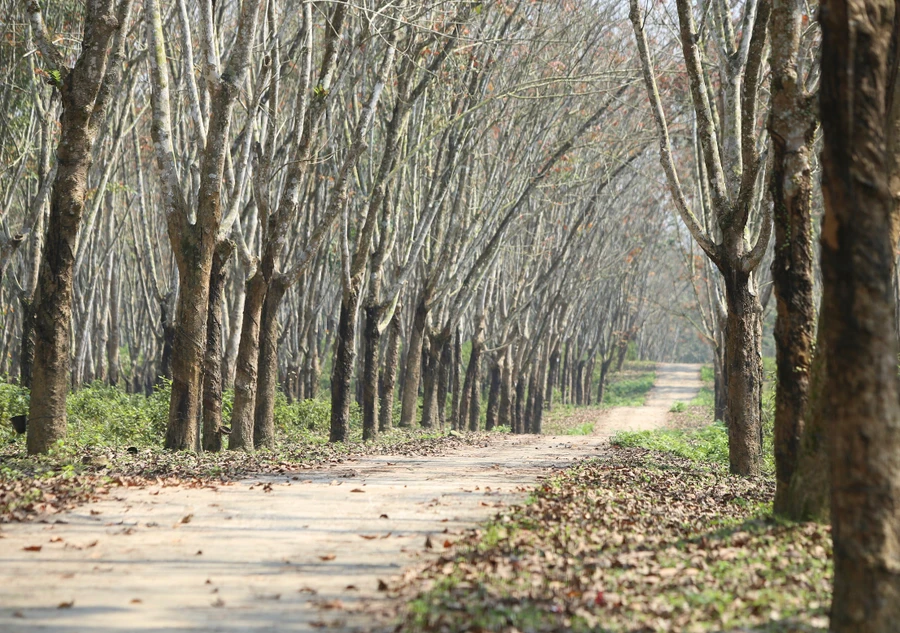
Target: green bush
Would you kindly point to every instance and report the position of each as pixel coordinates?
(103, 415)
(13, 401)
(309, 419)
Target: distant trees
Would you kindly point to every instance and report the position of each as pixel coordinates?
(444, 209)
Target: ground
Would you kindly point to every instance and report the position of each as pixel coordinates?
(294, 552)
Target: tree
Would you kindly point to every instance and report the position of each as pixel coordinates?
(86, 89)
(861, 384)
(731, 166)
(792, 125)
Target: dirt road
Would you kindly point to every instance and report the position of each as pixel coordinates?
(300, 552)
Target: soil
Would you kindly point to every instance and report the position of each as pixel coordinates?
(309, 550)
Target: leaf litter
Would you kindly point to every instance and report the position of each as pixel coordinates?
(636, 541)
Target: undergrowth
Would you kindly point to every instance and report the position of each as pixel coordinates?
(638, 541)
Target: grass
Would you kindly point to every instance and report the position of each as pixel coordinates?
(698, 436)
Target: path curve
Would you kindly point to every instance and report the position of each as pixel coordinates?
(300, 552)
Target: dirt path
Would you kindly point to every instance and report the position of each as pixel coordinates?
(295, 553)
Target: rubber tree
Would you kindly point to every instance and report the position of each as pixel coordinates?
(86, 89)
(732, 164)
(194, 243)
(861, 384)
(792, 125)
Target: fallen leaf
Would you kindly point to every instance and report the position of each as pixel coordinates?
(308, 590)
(136, 601)
(368, 537)
(66, 605)
(382, 586)
(187, 518)
(328, 557)
(32, 548)
(357, 490)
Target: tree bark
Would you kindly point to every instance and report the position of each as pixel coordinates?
(85, 91)
(808, 497)
(493, 404)
(410, 393)
(371, 343)
(860, 339)
(743, 356)
(212, 361)
(342, 363)
(113, 341)
(247, 366)
(793, 125)
(389, 375)
(267, 367)
(470, 409)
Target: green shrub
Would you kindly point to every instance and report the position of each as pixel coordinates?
(103, 415)
(13, 401)
(309, 419)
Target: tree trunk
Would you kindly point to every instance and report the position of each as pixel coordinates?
(720, 384)
(470, 409)
(410, 394)
(189, 347)
(493, 404)
(267, 377)
(212, 361)
(860, 334)
(579, 383)
(552, 377)
(342, 364)
(519, 410)
(444, 369)
(389, 375)
(113, 342)
(809, 495)
(744, 370)
(793, 126)
(26, 358)
(167, 322)
(84, 89)
(429, 383)
(234, 336)
(371, 342)
(246, 366)
(457, 418)
(505, 415)
(313, 371)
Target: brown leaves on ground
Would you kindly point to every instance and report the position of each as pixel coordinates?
(635, 542)
(37, 487)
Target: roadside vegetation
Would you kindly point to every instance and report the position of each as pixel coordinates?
(654, 536)
(115, 440)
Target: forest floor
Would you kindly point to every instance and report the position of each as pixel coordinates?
(300, 551)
